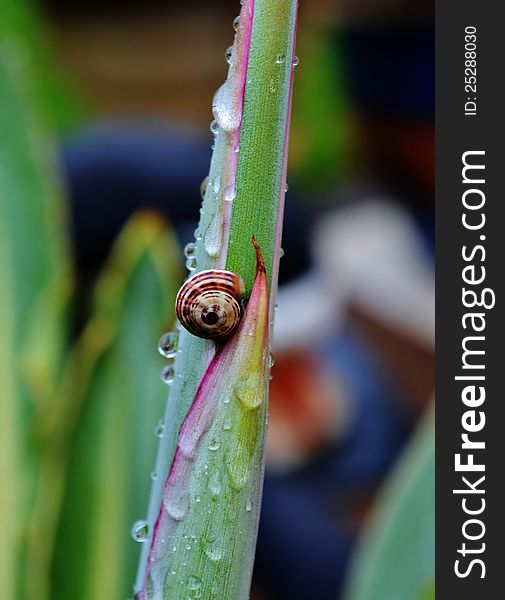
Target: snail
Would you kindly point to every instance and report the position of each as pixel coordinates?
(208, 304)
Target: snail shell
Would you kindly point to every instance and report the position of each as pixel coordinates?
(208, 303)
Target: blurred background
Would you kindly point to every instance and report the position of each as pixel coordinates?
(104, 140)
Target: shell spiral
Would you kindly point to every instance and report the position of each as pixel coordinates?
(208, 303)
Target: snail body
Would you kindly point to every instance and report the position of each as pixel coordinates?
(208, 303)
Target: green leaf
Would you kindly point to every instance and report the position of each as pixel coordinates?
(202, 546)
(36, 281)
(261, 171)
(244, 195)
(118, 399)
(22, 30)
(397, 554)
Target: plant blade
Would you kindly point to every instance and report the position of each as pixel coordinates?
(396, 558)
(117, 400)
(35, 288)
(233, 208)
(204, 539)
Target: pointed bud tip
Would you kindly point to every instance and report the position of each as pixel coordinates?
(260, 263)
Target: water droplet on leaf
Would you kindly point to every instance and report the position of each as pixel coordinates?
(195, 586)
(160, 429)
(167, 374)
(229, 193)
(167, 344)
(215, 484)
(189, 249)
(238, 468)
(214, 127)
(176, 502)
(249, 391)
(203, 187)
(214, 550)
(212, 237)
(214, 445)
(140, 531)
(226, 107)
(191, 263)
(229, 54)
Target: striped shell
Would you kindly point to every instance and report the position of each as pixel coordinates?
(208, 303)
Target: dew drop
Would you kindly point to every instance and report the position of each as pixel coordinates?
(229, 54)
(227, 424)
(271, 360)
(167, 344)
(248, 391)
(167, 374)
(280, 59)
(140, 531)
(296, 61)
(238, 470)
(214, 550)
(191, 263)
(176, 502)
(212, 237)
(215, 484)
(197, 234)
(214, 127)
(189, 250)
(154, 476)
(286, 187)
(248, 505)
(195, 586)
(214, 445)
(226, 107)
(236, 23)
(281, 252)
(203, 187)
(160, 429)
(229, 193)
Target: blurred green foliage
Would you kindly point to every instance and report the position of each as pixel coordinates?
(115, 381)
(77, 418)
(22, 31)
(323, 151)
(397, 554)
(35, 279)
